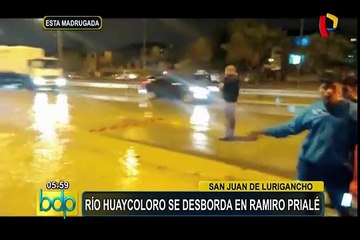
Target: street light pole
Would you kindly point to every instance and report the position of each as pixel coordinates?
(301, 34)
(144, 44)
(59, 44)
(302, 27)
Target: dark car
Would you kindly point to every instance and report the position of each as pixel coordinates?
(15, 81)
(74, 75)
(177, 87)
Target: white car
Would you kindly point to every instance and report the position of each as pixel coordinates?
(126, 75)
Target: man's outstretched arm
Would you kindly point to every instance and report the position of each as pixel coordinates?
(295, 126)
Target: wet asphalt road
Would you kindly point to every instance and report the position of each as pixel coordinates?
(70, 135)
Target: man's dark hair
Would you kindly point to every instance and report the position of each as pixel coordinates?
(350, 79)
(331, 75)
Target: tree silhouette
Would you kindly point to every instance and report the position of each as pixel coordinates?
(201, 50)
(155, 54)
(251, 42)
(324, 51)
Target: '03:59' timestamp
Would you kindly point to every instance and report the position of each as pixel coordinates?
(57, 185)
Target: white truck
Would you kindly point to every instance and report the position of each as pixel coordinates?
(43, 72)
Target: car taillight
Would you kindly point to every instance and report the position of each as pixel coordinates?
(146, 82)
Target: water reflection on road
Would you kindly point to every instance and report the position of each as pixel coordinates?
(199, 121)
(50, 120)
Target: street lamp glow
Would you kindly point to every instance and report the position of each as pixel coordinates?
(353, 40)
(58, 39)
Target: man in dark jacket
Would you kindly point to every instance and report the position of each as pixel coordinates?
(230, 90)
(350, 92)
(332, 126)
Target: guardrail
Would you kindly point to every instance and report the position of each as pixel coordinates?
(280, 93)
(245, 91)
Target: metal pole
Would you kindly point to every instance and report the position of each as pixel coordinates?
(302, 27)
(301, 34)
(59, 44)
(144, 44)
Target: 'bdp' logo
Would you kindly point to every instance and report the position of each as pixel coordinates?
(324, 31)
(55, 203)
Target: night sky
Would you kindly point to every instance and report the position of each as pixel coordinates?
(118, 33)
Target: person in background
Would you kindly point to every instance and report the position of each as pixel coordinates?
(354, 182)
(350, 92)
(230, 90)
(350, 86)
(332, 133)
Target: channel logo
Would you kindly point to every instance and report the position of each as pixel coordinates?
(56, 203)
(324, 31)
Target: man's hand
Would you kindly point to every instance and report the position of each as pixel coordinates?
(254, 135)
(221, 85)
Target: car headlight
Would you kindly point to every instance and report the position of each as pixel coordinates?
(39, 81)
(213, 89)
(142, 91)
(200, 95)
(61, 82)
(132, 76)
(199, 92)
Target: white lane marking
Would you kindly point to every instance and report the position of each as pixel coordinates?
(103, 85)
(272, 103)
(113, 98)
(278, 90)
(289, 111)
